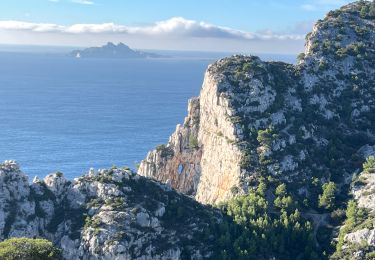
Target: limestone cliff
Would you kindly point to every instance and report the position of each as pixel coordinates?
(301, 124)
(106, 214)
(178, 162)
(201, 158)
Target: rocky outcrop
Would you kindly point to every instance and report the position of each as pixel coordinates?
(178, 162)
(364, 235)
(357, 235)
(15, 206)
(356, 238)
(364, 193)
(294, 123)
(105, 214)
(200, 158)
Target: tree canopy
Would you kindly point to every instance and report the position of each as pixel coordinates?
(327, 199)
(28, 248)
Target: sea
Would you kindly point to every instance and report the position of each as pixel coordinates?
(59, 113)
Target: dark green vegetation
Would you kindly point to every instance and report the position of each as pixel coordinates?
(356, 219)
(193, 142)
(166, 151)
(369, 165)
(327, 199)
(28, 249)
(256, 228)
(353, 217)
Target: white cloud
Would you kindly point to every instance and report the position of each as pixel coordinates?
(84, 2)
(173, 34)
(308, 7)
(174, 27)
(26, 26)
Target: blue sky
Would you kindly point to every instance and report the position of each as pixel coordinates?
(226, 25)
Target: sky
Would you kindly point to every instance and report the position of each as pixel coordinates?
(259, 26)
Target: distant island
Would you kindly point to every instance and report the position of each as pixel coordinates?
(111, 50)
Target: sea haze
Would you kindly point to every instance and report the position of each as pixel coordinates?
(64, 114)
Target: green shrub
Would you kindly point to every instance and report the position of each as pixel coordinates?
(234, 190)
(30, 249)
(371, 12)
(364, 11)
(281, 190)
(341, 52)
(246, 67)
(301, 56)
(369, 165)
(193, 142)
(266, 137)
(327, 199)
(160, 147)
(59, 174)
(164, 150)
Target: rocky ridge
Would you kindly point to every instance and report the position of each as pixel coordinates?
(105, 214)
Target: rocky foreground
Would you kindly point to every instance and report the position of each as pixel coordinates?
(106, 214)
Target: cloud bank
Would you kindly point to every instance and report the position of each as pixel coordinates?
(176, 26)
(174, 33)
(83, 2)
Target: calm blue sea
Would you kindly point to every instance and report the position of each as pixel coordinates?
(65, 114)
